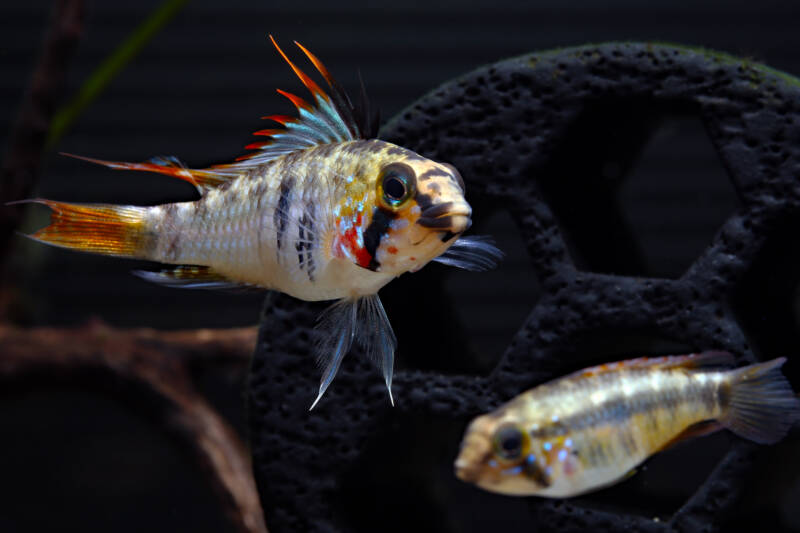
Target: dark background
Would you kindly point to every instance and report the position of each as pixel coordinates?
(81, 458)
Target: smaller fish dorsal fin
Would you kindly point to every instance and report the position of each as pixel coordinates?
(695, 360)
(331, 118)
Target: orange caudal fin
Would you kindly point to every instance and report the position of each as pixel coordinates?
(170, 166)
(99, 228)
(762, 406)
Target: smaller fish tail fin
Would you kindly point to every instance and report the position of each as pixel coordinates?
(170, 166)
(762, 406)
(106, 229)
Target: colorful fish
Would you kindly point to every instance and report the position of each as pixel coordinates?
(590, 429)
(321, 211)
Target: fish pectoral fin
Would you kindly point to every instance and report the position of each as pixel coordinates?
(192, 277)
(476, 253)
(335, 329)
(695, 430)
(376, 336)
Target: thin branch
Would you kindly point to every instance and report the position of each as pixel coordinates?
(158, 362)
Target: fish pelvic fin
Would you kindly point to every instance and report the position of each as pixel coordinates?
(336, 328)
(363, 320)
(202, 179)
(762, 406)
(473, 253)
(375, 335)
(106, 229)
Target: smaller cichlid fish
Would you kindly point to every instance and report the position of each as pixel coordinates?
(322, 210)
(591, 428)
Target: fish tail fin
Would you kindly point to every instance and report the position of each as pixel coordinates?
(762, 406)
(99, 228)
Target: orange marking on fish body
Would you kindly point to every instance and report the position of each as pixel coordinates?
(392, 249)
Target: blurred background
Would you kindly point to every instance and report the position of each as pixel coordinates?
(78, 458)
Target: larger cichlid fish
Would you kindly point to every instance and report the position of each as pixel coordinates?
(592, 428)
(320, 211)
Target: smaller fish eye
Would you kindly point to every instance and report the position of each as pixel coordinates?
(509, 442)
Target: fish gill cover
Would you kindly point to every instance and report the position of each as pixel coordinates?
(533, 137)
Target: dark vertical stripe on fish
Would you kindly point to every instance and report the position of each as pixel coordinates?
(281, 216)
(305, 241)
(378, 227)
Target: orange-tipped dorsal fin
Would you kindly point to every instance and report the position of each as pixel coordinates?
(328, 117)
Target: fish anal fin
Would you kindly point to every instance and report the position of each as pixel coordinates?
(192, 277)
(694, 431)
(170, 166)
(706, 359)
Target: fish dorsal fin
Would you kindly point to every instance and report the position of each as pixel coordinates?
(695, 360)
(330, 118)
(192, 277)
(171, 166)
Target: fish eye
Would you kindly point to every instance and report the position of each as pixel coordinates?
(396, 185)
(509, 442)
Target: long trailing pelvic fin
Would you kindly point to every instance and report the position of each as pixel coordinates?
(337, 327)
(117, 230)
(473, 253)
(363, 320)
(377, 338)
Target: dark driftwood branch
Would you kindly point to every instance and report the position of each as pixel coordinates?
(27, 139)
(157, 361)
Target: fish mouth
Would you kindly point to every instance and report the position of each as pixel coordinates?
(446, 216)
(469, 465)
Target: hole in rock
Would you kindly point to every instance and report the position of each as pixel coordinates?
(637, 187)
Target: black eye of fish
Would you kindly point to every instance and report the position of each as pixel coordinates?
(394, 188)
(397, 184)
(509, 441)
